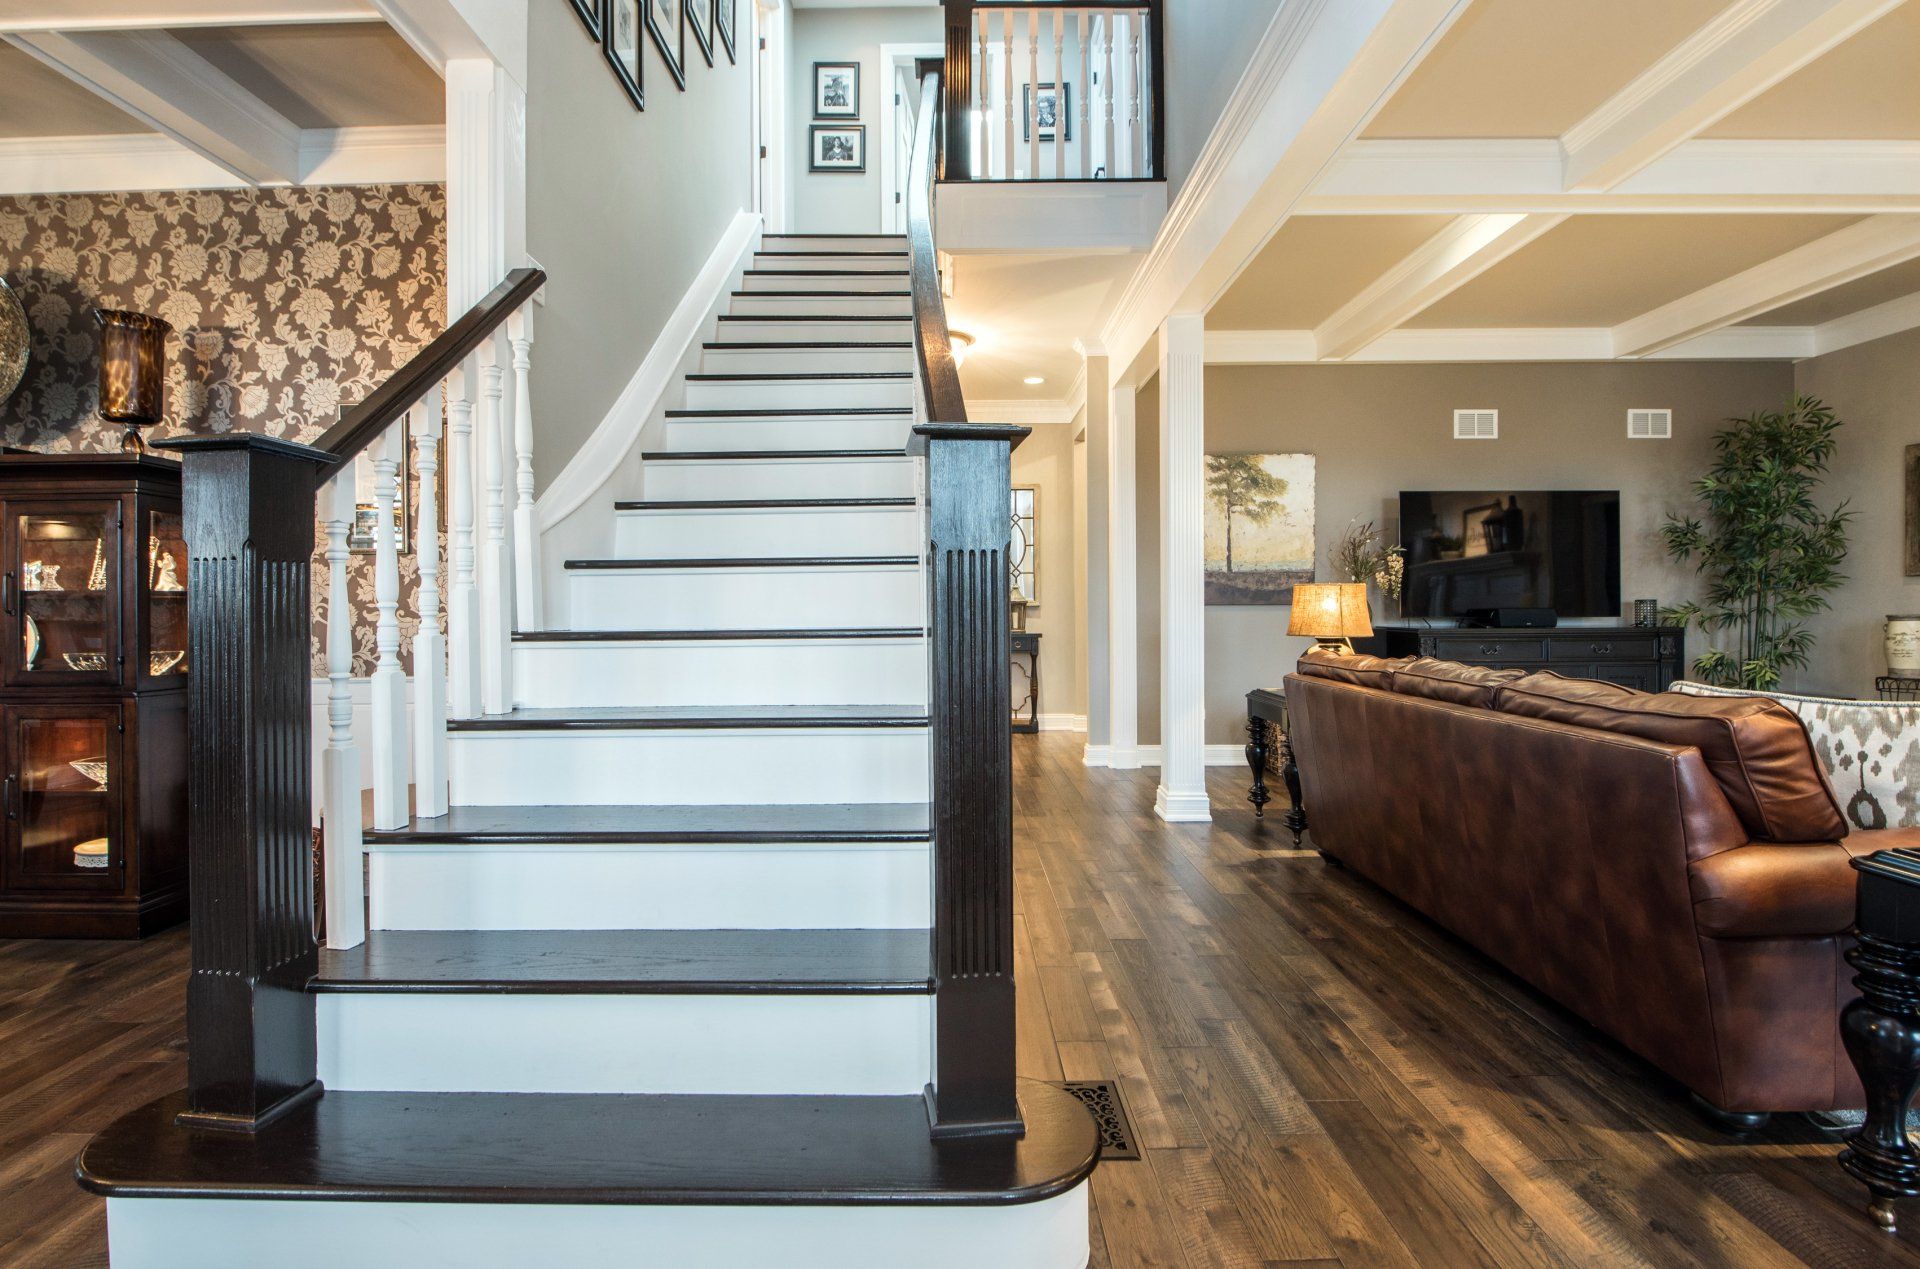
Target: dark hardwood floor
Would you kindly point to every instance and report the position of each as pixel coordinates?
(1316, 1074)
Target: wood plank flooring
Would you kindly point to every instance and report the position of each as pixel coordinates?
(1318, 1076)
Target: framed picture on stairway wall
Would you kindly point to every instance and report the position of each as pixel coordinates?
(620, 41)
(589, 13)
(838, 147)
(667, 24)
(360, 534)
(700, 21)
(836, 90)
(724, 14)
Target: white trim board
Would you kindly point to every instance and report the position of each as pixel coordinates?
(1013, 410)
(148, 161)
(144, 15)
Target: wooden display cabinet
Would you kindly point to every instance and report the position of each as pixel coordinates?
(93, 699)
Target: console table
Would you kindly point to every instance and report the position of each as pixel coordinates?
(1882, 1029)
(1026, 706)
(1646, 657)
(1267, 712)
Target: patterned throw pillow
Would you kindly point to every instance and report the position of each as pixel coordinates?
(1870, 749)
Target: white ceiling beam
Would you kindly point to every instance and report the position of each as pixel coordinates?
(441, 31)
(154, 15)
(148, 161)
(1459, 177)
(1747, 48)
(1461, 252)
(1869, 323)
(1486, 344)
(1867, 246)
(1319, 73)
(157, 79)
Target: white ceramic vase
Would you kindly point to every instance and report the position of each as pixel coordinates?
(1903, 645)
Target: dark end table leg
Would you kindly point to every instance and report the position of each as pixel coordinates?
(1290, 772)
(1257, 760)
(1882, 1034)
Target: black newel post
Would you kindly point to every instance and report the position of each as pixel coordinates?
(1882, 1028)
(956, 82)
(969, 528)
(249, 506)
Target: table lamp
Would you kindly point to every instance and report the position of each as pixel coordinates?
(1332, 614)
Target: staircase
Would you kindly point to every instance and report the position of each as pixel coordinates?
(663, 985)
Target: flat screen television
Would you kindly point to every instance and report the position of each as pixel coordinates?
(1468, 549)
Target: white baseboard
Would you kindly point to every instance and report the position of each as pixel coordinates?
(1096, 755)
(1149, 756)
(1182, 808)
(1063, 722)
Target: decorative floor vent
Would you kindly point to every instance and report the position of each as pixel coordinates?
(1102, 1098)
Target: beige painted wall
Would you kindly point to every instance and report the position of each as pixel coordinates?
(1875, 388)
(1046, 461)
(1378, 429)
(623, 208)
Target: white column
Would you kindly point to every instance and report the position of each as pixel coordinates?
(526, 539)
(1123, 591)
(1093, 519)
(463, 599)
(1182, 795)
(429, 645)
(496, 599)
(389, 739)
(346, 897)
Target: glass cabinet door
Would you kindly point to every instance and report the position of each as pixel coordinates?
(61, 591)
(163, 652)
(63, 828)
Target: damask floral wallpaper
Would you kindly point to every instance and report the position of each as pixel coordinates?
(286, 305)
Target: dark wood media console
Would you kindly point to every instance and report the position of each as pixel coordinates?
(1646, 657)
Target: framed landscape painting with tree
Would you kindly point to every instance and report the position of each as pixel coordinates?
(1259, 532)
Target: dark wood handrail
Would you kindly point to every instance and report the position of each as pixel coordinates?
(939, 372)
(360, 426)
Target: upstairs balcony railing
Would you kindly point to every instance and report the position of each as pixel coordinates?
(1054, 92)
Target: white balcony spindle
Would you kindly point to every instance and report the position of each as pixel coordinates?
(1106, 93)
(345, 898)
(1061, 111)
(429, 645)
(1082, 168)
(1136, 96)
(1030, 100)
(496, 598)
(982, 66)
(463, 602)
(1007, 103)
(526, 546)
(389, 737)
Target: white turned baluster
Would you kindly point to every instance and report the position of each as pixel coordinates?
(429, 646)
(1106, 93)
(983, 66)
(463, 601)
(340, 763)
(1136, 96)
(526, 549)
(1085, 77)
(496, 600)
(1030, 104)
(1062, 112)
(389, 742)
(1008, 105)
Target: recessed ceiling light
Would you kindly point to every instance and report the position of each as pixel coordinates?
(1034, 381)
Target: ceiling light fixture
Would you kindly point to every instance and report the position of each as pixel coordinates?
(1034, 381)
(961, 343)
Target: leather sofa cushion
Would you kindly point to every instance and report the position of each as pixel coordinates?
(1452, 682)
(1362, 671)
(1756, 748)
(1769, 891)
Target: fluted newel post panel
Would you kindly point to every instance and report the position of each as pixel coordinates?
(249, 513)
(969, 526)
(956, 146)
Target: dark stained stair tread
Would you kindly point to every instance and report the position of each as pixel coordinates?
(694, 718)
(761, 455)
(829, 295)
(731, 345)
(691, 636)
(754, 823)
(756, 504)
(831, 412)
(816, 317)
(801, 376)
(608, 962)
(759, 561)
(826, 273)
(597, 1148)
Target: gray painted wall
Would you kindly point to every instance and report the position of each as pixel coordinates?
(623, 208)
(846, 202)
(1046, 460)
(1875, 388)
(1378, 429)
(1208, 45)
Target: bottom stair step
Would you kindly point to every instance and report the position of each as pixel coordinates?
(379, 1179)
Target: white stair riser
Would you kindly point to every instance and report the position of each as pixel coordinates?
(765, 531)
(169, 1233)
(890, 260)
(485, 1042)
(821, 305)
(757, 766)
(745, 672)
(773, 361)
(852, 329)
(799, 394)
(834, 242)
(741, 599)
(780, 478)
(852, 431)
(542, 886)
(821, 280)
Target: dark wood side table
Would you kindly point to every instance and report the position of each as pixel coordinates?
(1882, 1028)
(1267, 713)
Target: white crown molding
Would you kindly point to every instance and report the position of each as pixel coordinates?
(1027, 413)
(1742, 51)
(149, 161)
(1868, 324)
(1528, 343)
(138, 15)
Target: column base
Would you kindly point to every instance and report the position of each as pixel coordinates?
(1182, 807)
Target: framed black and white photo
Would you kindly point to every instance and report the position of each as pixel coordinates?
(620, 41)
(700, 20)
(724, 13)
(836, 90)
(667, 24)
(838, 147)
(366, 506)
(1053, 108)
(589, 13)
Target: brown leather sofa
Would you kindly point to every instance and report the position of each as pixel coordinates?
(1672, 868)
